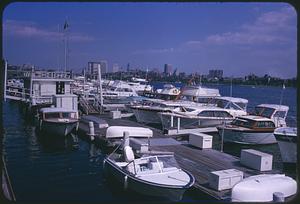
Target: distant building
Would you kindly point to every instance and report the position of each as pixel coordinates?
(92, 71)
(115, 68)
(167, 69)
(104, 66)
(128, 67)
(215, 73)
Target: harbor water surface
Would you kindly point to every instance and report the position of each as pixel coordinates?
(43, 169)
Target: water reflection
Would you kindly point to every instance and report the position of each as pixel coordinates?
(51, 143)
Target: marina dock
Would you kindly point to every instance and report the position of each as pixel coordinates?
(199, 162)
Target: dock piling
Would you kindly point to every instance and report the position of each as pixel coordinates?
(91, 130)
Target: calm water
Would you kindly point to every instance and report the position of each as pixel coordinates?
(45, 170)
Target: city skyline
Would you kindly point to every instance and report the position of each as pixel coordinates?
(239, 38)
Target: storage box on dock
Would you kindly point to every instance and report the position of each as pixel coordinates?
(257, 160)
(115, 114)
(200, 140)
(225, 179)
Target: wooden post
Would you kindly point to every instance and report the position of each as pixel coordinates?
(178, 124)
(91, 130)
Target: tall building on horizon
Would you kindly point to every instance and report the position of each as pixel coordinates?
(92, 71)
(104, 66)
(115, 68)
(168, 69)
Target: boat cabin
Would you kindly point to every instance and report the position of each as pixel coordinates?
(59, 114)
(275, 112)
(206, 112)
(44, 84)
(254, 122)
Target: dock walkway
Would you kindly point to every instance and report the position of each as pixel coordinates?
(199, 162)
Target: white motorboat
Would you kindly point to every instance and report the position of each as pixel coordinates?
(257, 128)
(260, 188)
(249, 129)
(287, 142)
(140, 85)
(147, 112)
(156, 175)
(118, 90)
(58, 121)
(169, 92)
(223, 111)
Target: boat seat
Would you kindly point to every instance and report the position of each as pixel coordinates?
(128, 154)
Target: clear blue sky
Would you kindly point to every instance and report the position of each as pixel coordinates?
(240, 38)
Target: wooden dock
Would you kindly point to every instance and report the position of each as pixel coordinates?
(197, 161)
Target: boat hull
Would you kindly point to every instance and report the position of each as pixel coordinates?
(58, 129)
(247, 137)
(288, 147)
(130, 182)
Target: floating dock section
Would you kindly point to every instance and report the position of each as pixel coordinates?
(199, 162)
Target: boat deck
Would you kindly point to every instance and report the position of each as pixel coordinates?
(199, 162)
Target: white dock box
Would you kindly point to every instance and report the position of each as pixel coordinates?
(225, 179)
(200, 140)
(257, 160)
(115, 114)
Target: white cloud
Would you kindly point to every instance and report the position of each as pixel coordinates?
(26, 29)
(270, 27)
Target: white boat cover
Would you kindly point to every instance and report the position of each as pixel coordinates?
(260, 188)
(275, 106)
(118, 132)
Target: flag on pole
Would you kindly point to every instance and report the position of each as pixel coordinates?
(66, 25)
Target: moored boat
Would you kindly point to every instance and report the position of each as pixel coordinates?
(154, 175)
(249, 130)
(257, 128)
(58, 121)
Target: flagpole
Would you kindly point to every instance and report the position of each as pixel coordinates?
(66, 26)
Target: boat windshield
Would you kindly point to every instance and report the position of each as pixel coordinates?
(59, 115)
(153, 164)
(51, 115)
(264, 111)
(165, 161)
(243, 122)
